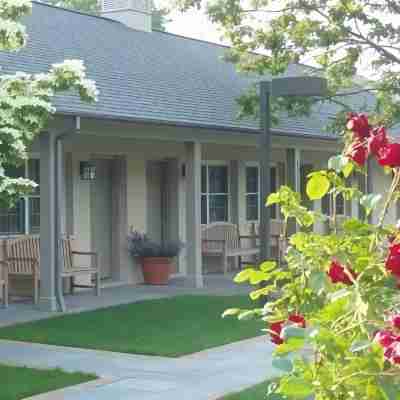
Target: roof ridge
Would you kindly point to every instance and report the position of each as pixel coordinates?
(87, 14)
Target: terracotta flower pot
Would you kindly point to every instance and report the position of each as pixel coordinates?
(156, 270)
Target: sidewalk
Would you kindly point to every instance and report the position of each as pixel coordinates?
(206, 375)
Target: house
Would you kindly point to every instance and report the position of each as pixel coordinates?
(162, 151)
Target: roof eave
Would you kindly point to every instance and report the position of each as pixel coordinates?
(188, 124)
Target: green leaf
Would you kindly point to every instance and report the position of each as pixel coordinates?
(292, 344)
(256, 294)
(390, 390)
(348, 169)
(268, 266)
(317, 186)
(283, 364)
(370, 201)
(339, 294)
(293, 331)
(317, 281)
(295, 387)
(360, 346)
(337, 163)
(273, 198)
(230, 311)
(246, 315)
(243, 276)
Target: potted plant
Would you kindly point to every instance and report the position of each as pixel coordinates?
(156, 258)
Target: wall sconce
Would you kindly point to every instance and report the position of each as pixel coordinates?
(87, 170)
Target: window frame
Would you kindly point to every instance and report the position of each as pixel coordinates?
(252, 164)
(214, 163)
(26, 199)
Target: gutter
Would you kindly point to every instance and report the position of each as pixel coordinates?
(58, 195)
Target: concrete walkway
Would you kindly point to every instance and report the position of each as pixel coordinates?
(207, 375)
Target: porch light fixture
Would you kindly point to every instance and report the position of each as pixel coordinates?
(289, 86)
(87, 170)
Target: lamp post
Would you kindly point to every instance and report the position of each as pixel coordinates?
(291, 86)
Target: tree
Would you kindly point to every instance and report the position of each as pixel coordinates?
(334, 309)
(158, 21)
(25, 99)
(343, 39)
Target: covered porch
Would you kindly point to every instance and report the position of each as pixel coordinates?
(99, 179)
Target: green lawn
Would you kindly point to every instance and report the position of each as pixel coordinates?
(17, 383)
(257, 392)
(167, 327)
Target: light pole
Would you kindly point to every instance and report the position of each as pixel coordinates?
(291, 86)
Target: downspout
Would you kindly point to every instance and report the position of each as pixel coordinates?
(58, 196)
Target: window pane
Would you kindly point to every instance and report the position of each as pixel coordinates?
(218, 179)
(34, 215)
(252, 179)
(252, 207)
(204, 210)
(12, 221)
(340, 205)
(34, 172)
(218, 208)
(15, 172)
(203, 179)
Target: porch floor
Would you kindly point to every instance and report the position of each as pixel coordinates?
(214, 284)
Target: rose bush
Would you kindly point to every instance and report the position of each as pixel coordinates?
(332, 308)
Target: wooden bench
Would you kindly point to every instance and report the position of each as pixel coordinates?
(71, 269)
(223, 239)
(22, 258)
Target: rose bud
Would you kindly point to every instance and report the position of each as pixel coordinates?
(359, 125)
(377, 141)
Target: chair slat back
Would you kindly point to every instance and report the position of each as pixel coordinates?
(21, 249)
(221, 231)
(66, 253)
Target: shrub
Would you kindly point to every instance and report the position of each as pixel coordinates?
(139, 245)
(337, 296)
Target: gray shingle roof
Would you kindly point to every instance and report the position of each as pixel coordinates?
(144, 76)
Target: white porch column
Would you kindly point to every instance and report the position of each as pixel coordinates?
(193, 213)
(234, 191)
(48, 238)
(293, 175)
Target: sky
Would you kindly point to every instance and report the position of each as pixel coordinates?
(194, 24)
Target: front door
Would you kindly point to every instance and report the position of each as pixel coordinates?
(101, 215)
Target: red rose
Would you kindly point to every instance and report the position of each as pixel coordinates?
(385, 338)
(298, 320)
(393, 260)
(395, 356)
(359, 125)
(338, 274)
(395, 320)
(276, 327)
(377, 141)
(389, 155)
(358, 153)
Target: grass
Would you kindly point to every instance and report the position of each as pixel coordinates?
(166, 327)
(256, 392)
(20, 382)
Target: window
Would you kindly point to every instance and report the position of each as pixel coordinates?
(214, 194)
(327, 205)
(24, 218)
(253, 192)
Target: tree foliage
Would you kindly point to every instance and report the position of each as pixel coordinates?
(342, 39)
(334, 306)
(26, 99)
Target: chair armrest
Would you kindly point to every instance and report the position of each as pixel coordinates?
(29, 259)
(84, 253)
(249, 237)
(213, 240)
